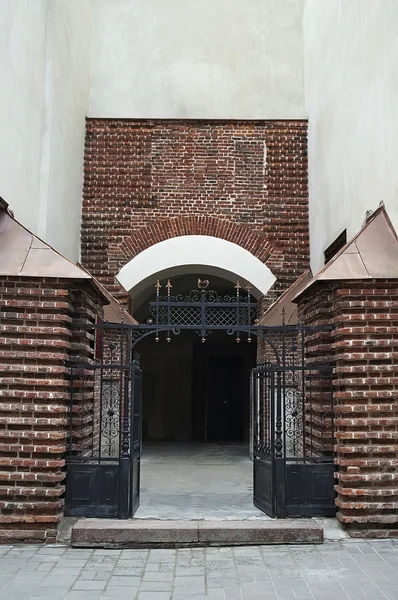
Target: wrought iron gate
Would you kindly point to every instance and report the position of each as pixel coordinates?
(293, 428)
(104, 445)
(291, 406)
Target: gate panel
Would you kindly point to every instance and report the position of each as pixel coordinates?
(99, 461)
(310, 490)
(92, 490)
(292, 426)
(136, 428)
(263, 428)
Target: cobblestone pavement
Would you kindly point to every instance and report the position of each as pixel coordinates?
(335, 570)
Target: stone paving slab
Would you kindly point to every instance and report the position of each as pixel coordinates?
(133, 533)
(342, 570)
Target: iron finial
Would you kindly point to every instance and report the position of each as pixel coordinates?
(169, 286)
(158, 285)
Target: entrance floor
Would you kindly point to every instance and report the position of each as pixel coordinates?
(197, 481)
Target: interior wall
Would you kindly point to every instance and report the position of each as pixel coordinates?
(167, 390)
(198, 59)
(45, 55)
(176, 384)
(351, 88)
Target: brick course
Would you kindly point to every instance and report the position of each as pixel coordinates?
(243, 181)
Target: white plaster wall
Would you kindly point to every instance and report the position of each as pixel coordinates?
(351, 87)
(22, 68)
(45, 50)
(67, 96)
(198, 59)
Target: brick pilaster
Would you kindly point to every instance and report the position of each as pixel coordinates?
(366, 389)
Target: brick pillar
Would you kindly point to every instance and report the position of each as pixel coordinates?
(34, 345)
(366, 391)
(83, 436)
(314, 309)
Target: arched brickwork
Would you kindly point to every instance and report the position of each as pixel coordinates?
(165, 229)
(146, 181)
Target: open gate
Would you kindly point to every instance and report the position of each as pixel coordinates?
(293, 428)
(104, 441)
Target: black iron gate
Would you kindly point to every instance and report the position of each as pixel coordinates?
(293, 428)
(104, 442)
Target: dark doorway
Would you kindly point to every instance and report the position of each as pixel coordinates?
(225, 399)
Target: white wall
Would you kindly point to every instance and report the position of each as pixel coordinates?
(45, 49)
(351, 86)
(22, 68)
(198, 59)
(67, 97)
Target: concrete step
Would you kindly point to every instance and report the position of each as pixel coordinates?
(136, 533)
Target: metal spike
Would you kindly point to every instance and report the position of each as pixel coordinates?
(158, 286)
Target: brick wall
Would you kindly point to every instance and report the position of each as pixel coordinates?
(35, 344)
(243, 181)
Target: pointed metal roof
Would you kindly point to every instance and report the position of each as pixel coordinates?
(24, 254)
(283, 310)
(371, 254)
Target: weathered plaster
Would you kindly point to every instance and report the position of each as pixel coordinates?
(198, 59)
(351, 83)
(45, 49)
(22, 69)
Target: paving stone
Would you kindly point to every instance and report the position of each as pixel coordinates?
(158, 576)
(82, 584)
(119, 591)
(124, 581)
(153, 596)
(351, 571)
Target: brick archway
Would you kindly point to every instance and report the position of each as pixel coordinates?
(159, 231)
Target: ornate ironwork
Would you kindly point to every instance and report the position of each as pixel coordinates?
(110, 417)
(203, 310)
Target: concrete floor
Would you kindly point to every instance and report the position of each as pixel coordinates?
(197, 481)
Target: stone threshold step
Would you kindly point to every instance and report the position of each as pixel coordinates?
(141, 533)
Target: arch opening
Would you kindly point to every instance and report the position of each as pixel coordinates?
(194, 254)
